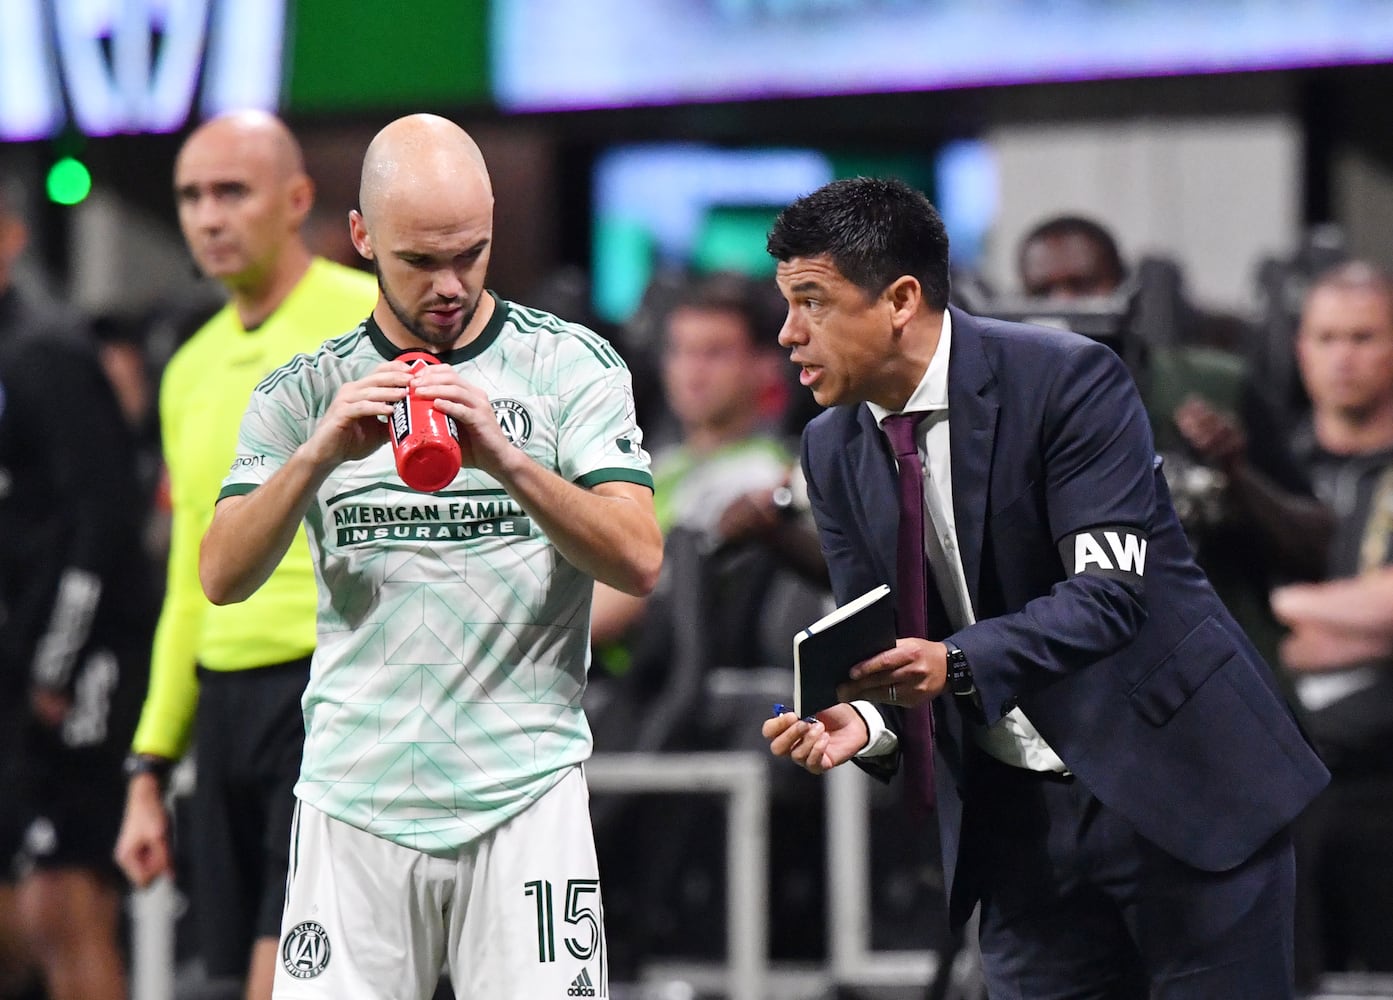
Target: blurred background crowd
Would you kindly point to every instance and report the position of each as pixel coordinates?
(1206, 185)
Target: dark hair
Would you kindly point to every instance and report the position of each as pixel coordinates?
(1062, 226)
(11, 196)
(755, 303)
(874, 230)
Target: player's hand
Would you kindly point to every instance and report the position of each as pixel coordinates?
(914, 672)
(483, 445)
(142, 848)
(750, 516)
(833, 737)
(1315, 649)
(49, 705)
(1216, 436)
(356, 424)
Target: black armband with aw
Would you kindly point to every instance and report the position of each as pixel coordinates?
(1113, 551)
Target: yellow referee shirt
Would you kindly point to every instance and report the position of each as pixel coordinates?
(203, 394)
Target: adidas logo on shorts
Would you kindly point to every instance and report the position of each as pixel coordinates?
(582, 985)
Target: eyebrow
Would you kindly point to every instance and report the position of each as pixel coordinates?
(806, 286)
(418, 255)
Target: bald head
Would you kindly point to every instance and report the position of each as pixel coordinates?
(239, 135)
(242, 194)
(425, 220)
(417, 155)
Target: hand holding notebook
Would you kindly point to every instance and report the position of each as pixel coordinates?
(825, 651)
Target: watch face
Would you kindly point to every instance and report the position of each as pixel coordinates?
(782, 497)
(959, 676)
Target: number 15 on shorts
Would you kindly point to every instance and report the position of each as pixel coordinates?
(581, 912)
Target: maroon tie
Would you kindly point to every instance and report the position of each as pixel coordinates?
(912, 597)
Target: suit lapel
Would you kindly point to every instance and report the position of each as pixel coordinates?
(972, 416)
(873, 490)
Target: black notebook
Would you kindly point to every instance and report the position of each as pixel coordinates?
(825, 651)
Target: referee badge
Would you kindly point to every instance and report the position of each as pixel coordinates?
(305, 950)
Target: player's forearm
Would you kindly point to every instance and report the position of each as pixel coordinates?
(251, 533)
(608, 532)
(1298, 528)
(171, 699)
(1361, 604)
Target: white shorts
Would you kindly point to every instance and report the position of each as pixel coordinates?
(515, 915)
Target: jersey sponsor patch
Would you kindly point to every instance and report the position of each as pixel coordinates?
(305, 950)
(1112, 551)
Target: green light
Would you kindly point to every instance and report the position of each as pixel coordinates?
(69, 181)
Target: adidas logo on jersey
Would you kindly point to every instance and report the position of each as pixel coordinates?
(582, 985)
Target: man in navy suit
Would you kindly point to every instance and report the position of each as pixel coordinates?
(1114, 768)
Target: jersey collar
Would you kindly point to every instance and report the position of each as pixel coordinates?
(471, 350)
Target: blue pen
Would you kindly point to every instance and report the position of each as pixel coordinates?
(779, 710)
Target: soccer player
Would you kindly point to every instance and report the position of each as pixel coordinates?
(77, 606)
(242, 195)
(441, 783)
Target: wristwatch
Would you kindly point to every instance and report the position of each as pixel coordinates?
(782, 499)
(145, 763)
(959, 673)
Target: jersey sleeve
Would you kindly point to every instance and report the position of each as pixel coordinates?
(87, 457)
(276, 422)
(166, 719)
(599, 439)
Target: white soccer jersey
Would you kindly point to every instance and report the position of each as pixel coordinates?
(445, 694)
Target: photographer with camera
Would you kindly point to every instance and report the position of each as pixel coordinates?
(1243, 501)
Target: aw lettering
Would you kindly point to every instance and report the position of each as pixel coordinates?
(1109, 551)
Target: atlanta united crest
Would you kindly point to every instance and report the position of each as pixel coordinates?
(305, 950)
(514, 419)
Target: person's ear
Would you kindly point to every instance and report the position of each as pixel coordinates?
(358, 229)
(905, 298)
(300, 198)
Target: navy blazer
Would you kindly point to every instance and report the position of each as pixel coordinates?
(1152, 695)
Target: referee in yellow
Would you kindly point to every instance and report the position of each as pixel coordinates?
(235, 673)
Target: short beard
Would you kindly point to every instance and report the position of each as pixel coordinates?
(435, 338)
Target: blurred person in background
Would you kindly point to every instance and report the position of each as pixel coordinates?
(233, 675)
(1245, 504)
(718, 367)
(76, 611)
(1340, 648)
(724, 525)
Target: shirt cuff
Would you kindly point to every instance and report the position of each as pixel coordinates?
(881, 739)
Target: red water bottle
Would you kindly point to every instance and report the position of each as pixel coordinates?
(424, 440)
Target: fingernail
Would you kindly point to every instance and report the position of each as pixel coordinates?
(779, 710)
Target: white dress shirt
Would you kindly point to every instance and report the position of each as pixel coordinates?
(1012, 739)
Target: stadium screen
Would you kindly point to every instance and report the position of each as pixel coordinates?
(126, 67)
(551, 56)
(707, 208)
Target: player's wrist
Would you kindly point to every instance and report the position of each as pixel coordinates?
(146, 773)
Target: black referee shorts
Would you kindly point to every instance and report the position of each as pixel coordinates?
(62, 789)
(250, 734)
